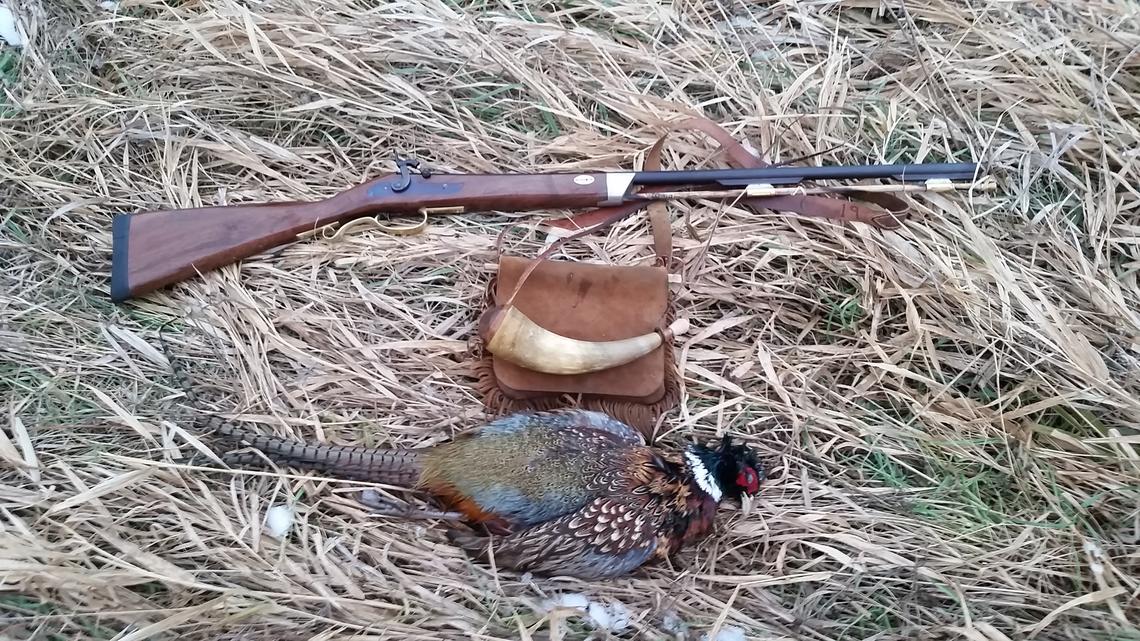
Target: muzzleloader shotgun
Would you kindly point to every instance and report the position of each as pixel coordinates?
(151, 250)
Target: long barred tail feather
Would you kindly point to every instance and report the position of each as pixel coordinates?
(391, 467)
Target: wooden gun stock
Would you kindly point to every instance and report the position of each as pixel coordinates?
(158, 248)
(154, 249)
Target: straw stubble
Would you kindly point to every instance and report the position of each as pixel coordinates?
(952, 407)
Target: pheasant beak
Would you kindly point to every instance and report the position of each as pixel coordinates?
(745, 505)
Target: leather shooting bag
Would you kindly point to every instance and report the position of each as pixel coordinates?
(584, 301)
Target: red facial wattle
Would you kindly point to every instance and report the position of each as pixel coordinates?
(748, 480)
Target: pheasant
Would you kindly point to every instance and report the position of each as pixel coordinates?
(561, 492)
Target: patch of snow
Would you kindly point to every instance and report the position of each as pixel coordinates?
(614, 616)
(567, 600)
(726, 633)
(278, 520)
(109, 5)
(674, 624)
(10, 30)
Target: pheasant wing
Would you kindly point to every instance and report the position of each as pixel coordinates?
(607, 537)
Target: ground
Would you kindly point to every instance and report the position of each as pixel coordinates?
(951, 408)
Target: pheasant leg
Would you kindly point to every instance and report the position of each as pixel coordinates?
(385, 507)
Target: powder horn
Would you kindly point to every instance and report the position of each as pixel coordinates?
(509, 334)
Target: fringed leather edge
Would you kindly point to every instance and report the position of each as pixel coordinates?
(639, 415)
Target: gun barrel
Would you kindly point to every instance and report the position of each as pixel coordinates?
(792, 175)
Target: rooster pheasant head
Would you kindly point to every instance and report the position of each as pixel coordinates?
(727, 470)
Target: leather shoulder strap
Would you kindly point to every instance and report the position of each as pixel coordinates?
(807, 205)
(659, 213)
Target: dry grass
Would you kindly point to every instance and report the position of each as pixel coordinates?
(954, 407)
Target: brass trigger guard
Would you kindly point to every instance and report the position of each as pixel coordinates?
(374, 221)
(409, 230)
